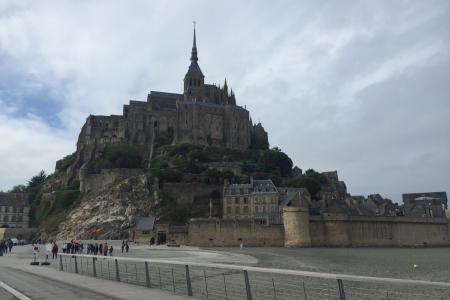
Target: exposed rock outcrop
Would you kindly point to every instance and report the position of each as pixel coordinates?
(111, 211)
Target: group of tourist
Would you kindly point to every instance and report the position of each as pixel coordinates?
(125, 246)
(5, 246)
(102, 249)
(77, 247)
(73, 247)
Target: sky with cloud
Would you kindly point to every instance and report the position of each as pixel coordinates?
(362, 87)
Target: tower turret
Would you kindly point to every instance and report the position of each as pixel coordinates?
(232, 98)
(194, 79)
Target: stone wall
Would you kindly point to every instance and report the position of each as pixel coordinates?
(17, 233)
(345, 231)
(185, 192)
(90, 182)
(217, 232)
(321, 231)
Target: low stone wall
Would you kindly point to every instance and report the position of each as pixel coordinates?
(323, 231)
(186, 192)
(89, 182)
(219, 232)
(17, 233)
(346, 231)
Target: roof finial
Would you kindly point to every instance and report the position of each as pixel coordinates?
(194, 47)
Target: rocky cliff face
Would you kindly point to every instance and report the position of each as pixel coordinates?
(111, 211)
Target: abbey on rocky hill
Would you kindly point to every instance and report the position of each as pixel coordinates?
(203, 114)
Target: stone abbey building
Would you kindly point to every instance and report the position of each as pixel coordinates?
(203, 114)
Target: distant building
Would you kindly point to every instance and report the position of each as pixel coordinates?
(431, 204)
(14, 210)
(257, 200)
(202, 114)
(143, 231)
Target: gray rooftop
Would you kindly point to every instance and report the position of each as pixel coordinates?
(256, 186)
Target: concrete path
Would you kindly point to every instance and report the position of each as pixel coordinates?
(45, 282)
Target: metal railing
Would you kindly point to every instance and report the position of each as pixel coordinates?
(221, 281)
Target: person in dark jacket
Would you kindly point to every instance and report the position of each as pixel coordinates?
(54, 251)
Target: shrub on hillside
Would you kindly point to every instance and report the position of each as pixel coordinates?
(64, 163)
(118, 155)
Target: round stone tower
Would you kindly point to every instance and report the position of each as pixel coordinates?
(296, 227)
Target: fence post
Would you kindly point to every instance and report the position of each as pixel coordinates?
(188, 282)
(94, 269)
(147, 276)
(225, 287)
(304, 290)
(117, 270)
(274, 290)
(341, 289)
(206, 284)
(173, 282)
(247, 286)
(76, 265)
(60, 263)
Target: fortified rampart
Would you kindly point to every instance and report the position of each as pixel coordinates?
(220, 232)
(356, 231)
(302, 230)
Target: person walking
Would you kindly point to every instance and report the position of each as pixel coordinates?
(101, 249)
(54, 251)
(10, 245)
(96, 249)
(111, 251)
(2, 247)
(123, 245)
(105, 249)
(127, 247)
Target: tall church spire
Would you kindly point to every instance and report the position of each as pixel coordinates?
(194, 79)
(194, 48)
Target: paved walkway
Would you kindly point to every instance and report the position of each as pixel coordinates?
(45, 282)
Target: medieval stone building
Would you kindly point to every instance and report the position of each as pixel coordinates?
(203, 114)
(14, 210)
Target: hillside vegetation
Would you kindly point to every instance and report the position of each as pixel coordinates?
(52, 202)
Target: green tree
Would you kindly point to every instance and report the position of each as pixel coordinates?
(18, 189)
(275, 160)
(311, 180)
(37, 180)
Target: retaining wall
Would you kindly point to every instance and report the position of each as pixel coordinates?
(218, 232)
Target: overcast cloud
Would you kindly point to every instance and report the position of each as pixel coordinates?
(355, 86)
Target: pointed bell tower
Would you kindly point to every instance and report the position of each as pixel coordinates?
(194, 79)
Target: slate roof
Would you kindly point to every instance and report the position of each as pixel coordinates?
(145, 223)
(165, 95)
(13, 199)
(287, 194)
(194, 70)
(257, 186)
